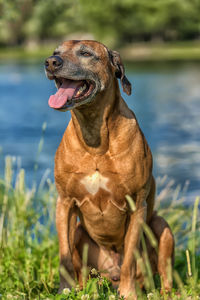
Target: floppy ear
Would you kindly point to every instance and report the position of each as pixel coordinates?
(116, 61)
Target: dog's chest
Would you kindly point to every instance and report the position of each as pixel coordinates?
(102, 192)
(94, 182)
(98, 179)
(100, 208)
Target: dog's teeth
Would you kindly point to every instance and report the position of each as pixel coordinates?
(81, 89)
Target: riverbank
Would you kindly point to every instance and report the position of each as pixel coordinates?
(179, 51)
(162, 52)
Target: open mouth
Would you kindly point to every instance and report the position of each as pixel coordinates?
(70, 93)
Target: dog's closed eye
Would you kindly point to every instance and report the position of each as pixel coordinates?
(85, 53)
(56, 52)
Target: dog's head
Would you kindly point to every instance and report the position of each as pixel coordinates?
(81, 70)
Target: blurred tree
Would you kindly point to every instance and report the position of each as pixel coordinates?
(51, 19)
(111, 21)
(131, 20)
(35, 19)
(13, 15)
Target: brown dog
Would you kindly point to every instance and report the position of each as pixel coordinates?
(102, 158)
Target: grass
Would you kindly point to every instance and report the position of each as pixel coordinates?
(152, 51)
(29, 246)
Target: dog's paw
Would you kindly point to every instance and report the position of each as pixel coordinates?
(127, 294)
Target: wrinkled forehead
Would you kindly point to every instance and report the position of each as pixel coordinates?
(74, 45)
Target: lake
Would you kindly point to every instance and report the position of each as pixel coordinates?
(165, 99)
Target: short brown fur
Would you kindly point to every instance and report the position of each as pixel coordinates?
(103, 139)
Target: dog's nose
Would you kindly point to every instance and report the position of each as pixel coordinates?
(115, 277)
(53, 63)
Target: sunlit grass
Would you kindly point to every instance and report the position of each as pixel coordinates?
(29, 247)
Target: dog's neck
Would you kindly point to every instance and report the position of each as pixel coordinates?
(91, 121)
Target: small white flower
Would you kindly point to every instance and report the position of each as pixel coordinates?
(85, 297)
(66, 291)
(111, 297)
(95, 296)
(94, 272)
(77, 288)
(150, 296)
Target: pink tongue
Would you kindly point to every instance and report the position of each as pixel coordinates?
(64, 93)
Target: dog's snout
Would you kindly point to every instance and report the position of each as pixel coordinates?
(53, 63)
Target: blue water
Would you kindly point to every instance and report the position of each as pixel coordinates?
(165, 99)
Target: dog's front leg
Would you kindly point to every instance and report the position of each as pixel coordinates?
(66, 220)
(128, 268)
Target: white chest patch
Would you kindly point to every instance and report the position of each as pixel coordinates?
(94, 182)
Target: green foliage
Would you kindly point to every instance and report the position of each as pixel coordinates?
(51, 19)
(132, 20)
(37, 20)
(29, 246)
(13, 16)
(114, 22)
(25, 227)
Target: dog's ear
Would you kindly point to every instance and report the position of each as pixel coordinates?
(116, 61)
